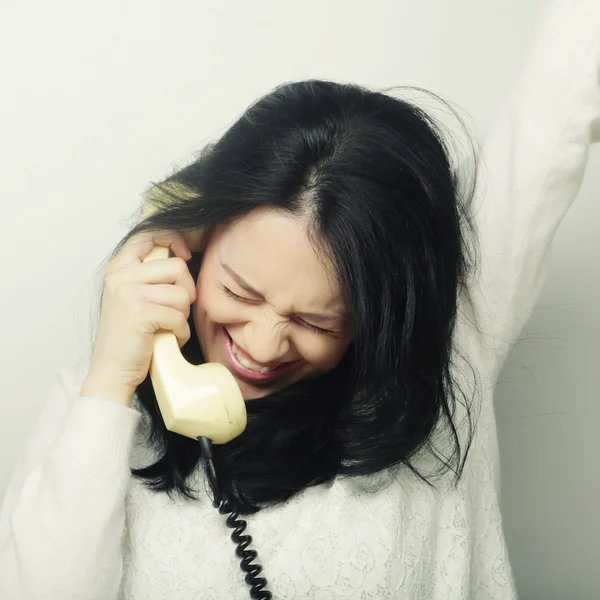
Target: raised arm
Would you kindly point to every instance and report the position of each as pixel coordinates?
(63, 514)
(533, 163)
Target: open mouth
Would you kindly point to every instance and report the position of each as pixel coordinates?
(246, 370)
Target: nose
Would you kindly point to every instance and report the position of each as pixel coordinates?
(266, 341)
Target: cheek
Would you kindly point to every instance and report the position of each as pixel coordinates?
(212, 307)
(322, 354)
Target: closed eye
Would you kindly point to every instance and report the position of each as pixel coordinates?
(235, 296)
(314, 328)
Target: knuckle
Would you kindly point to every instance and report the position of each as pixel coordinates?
(111, 267)
(145, 321)
(184, 296)
(180, 264)
(112, 283)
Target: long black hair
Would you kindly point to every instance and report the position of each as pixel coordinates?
(375, 176)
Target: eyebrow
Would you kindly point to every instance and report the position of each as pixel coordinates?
(311, 316)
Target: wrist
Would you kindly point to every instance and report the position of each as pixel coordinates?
(107, 388)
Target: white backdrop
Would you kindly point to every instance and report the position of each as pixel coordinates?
(98, 99)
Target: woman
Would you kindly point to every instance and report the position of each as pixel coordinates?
(336, 284)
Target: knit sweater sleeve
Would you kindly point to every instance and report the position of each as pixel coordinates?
(63, 513)
(532, 167)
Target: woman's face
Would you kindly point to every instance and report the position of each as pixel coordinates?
(267, 307)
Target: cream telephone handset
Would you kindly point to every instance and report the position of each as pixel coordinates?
(194, 400)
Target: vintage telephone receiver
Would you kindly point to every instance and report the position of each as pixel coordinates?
(194, 400)
(201, 402)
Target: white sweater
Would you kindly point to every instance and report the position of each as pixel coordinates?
(75, 525)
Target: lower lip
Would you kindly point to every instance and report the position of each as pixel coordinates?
(249, 374)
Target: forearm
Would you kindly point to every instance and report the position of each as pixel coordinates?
(534, 159)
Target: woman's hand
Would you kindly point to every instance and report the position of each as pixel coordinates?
(139, 299)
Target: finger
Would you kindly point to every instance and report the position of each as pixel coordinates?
(169, 295)
(139, 246)
(164, 272)
(167, 319)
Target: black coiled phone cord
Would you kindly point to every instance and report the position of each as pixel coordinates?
(247, 556)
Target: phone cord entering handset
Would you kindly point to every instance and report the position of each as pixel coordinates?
(257, 584)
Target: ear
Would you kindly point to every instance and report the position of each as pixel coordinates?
(161, 195)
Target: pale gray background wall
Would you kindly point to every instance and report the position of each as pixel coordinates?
(97, 100)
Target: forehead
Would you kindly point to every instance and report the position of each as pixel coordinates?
(272, 252)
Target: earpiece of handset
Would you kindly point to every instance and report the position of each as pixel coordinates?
(194, 400)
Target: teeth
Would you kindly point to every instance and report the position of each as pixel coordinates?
(247, 363)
